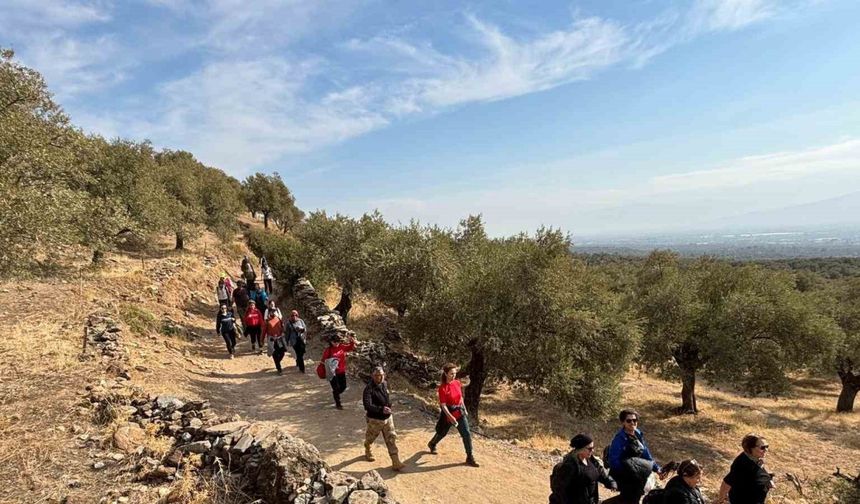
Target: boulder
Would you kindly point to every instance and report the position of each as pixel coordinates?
(363, 497)
(225, 428)
(196, 447)
(371, 480)
(338, 494)
(128, 437)
(284, 467)
(168, 403)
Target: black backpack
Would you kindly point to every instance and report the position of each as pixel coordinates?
(656, 496)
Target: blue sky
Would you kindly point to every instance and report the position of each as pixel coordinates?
(600, 116)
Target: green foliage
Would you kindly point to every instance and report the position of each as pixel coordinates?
(744, 325)
(405, 264)
(268, 195)
(140, 320)
(531, 312)
(289, 257)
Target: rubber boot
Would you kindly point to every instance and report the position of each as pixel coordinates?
(396, 464)
(368, 454)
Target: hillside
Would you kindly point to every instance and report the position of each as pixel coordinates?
(163, 301)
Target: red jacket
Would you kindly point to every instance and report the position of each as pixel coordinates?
(339, 352)
(253, 317)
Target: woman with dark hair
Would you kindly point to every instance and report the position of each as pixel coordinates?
(253, 322)
(630, 460)
(747, 481)
(248, 272)
(453, 412)
(297, 338)
(684, 487)
(574, 480)
(273, 333)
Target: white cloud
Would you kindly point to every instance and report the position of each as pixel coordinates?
(20, 14)
(670, 202)
(781, 166)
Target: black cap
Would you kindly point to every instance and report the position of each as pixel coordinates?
(580, 441)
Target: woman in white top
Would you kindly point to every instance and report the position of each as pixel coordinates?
(268, 275)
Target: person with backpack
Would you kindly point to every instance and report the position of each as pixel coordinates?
(380, 419)
(575, 479)
(273, 333)
(453, 412)
(268, 275)
(225, 325)
(748, 482)
(223, 294)
(681, 489)
(272, 307)
(253, 322)
(296, 338)
(240, 296)
(630, 460)
(334, 359)
(248, 271)
(259, 297)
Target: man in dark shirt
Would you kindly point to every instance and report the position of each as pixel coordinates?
(379, 418)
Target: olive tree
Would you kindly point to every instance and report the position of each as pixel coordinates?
(742, 325)
(268, 195)
(523, 309)
(342, 245)
(847, 356)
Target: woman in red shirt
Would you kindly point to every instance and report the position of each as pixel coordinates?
(338, 350)
(453, 413)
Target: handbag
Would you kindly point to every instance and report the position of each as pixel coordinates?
(331, 367)
(321, 370)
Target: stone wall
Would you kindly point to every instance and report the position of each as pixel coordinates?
(390, 353)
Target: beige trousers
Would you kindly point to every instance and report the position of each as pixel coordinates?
(386, 427)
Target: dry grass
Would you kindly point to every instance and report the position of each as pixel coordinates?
(42, 380)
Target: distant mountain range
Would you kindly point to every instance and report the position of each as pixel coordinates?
(840, 211)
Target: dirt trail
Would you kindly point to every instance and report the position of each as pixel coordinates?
(303, 404)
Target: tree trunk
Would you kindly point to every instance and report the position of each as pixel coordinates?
(688, 391)
(266, 220)
(345, 303)
(850, 387)
(180, 241)
(477, 374)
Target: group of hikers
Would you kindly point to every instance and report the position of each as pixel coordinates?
(632, 471)
(630, 468)
(259, 319)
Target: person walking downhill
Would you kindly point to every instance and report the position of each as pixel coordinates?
(453, 413)
(268, 275)
(297, 339)
(248, 272)
(630, 460)
(223, 294)
(748, 482)
(336, 351)
(253, 322)
(225, 325)
(259, 297)
(240, 296)
(380, 419)
(273, 333)
(574, 480)
(272, 307)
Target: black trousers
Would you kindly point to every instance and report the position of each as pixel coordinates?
(299, 348)
(230, 340)
(268, 285)
(338, 386)
(255, 333)
(278, 356)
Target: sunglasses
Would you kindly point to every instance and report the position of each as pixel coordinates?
(589, 448)
(631, 420)
(763, 447)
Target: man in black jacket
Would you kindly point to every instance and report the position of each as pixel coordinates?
(379, 418)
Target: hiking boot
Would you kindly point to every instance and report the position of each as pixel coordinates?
(338, 406)
(432, 448)
(280, 372)
(368, 455)
(396, 464)
(470, 461)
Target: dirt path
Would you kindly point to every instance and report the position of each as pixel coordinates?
(248, 385)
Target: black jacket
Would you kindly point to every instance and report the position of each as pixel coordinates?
(375, 397)
(749, 480)
(225, 323)
(679, 492)
(569, 483)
